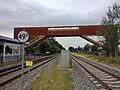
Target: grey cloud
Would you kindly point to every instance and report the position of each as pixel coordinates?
(30, 13)
(15, 13)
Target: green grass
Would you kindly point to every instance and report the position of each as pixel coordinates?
(53, 78)
(104, 59)
(115, 60)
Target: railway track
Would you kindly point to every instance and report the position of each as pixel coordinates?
(8, 70)
(103, 79)
(14, 73)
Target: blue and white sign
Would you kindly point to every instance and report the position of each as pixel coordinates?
(23, 36)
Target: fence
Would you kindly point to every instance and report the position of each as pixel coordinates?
(9, 58)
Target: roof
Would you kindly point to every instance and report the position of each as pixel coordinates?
(9, 40)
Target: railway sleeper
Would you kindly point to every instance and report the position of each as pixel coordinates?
(110, 79)
(114, 83)
(115, 86)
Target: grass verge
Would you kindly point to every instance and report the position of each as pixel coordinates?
(53, 78)
(108, 60)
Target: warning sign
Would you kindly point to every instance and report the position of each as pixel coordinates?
(29, 63)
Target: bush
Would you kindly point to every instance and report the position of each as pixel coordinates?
(114, 60)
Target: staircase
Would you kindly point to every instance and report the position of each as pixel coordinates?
(35, 41)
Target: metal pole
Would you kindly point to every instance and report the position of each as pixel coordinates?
(23, 67)
(29, 78)
(1, 57)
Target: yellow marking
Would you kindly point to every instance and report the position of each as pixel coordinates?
(29, 63)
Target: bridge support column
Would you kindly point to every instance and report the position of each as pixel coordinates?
(92, 41)
(64, 62)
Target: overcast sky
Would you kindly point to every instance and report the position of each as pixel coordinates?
(15, 13)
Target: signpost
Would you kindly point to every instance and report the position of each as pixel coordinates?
(29, 64)
(23, 37)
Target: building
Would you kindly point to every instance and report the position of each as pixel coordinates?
(10, 49)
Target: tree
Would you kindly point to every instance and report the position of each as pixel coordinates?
(87, 47)
(110, 28)
(93, 48)
(48, 45)
(80, 48)
(71, 49)
(30, 50)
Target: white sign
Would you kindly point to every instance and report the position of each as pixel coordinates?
(64, 28)
(23, 36)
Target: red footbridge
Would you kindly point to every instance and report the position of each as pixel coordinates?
(41, 33)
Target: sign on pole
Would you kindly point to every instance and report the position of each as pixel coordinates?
(23, 37)
(29, 63)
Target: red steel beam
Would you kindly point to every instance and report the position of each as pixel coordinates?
(58, 30)
(36, 42)
(92, 41)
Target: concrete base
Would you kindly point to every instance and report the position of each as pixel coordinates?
(64, 62)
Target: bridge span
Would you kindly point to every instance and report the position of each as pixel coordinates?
(41, 33)
(59, 30)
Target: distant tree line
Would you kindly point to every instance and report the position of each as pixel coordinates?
(87, 48)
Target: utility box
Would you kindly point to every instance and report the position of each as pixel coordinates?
(65, 59)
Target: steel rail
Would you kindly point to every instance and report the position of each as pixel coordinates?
(18, 67)
(19, 75)
(83, 59)
(100, 81)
